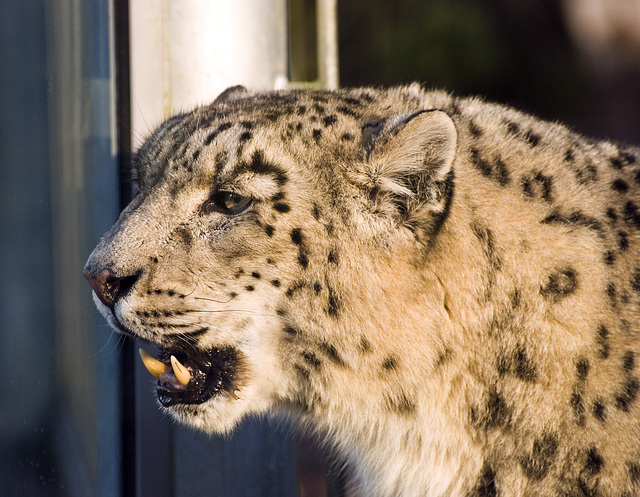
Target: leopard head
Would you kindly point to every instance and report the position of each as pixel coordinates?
(268, 230)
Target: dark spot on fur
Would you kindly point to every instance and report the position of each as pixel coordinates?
(390, 364)
(631, 214)
(620, 185)
(332, 353)
(475, 131)
(301, 110)
(577, 219)
(594, 462)
(582, 369)
(281, 207)
(315, 212)
(334, 305)
(317, 134)
(296, 236)
(365, 345)
(634, 472)
(303, 259)
(482, 165)
(635, 280)
(443, 357)
(312, 359)
(269, 230)
(628, 395)
(517, 363)
(612, 294)
(291, 332)
(612, 215)
(538, 462)
(249, 288)
(275, 283)
(624, 158)
(400, 404)
(609, 257)
(485, 485)
(587, 174)
(623, 240)
(569, 155)
(524, 368)
(494, 414)
(298, 285)
(560, 284)
(577, 405)
(515, 299)
(329, 120)
(501, 172)
(532, 138)
(602, 335)
(599, 411)
(346, 111)
(317, 288)
(617, 162)
(255, 275)
(628, 361)
(245, 136)
(485, 236)
(513, 128)
(333, 257)
(233, 295)
(537, 185)
(346, 137)
(211, 136)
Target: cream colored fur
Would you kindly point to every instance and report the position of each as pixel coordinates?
(447, 290)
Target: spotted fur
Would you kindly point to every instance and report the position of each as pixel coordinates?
(447, 289)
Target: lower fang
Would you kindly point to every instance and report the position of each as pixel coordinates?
(181, 372)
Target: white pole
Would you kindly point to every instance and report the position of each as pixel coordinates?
(327, 16)
(185, 52)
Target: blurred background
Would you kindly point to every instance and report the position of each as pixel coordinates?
(72, 419)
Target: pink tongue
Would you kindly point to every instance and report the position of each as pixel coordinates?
(168, 380)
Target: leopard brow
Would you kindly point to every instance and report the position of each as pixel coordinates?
(258, 164)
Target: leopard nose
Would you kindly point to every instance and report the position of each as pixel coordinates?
(108, 286)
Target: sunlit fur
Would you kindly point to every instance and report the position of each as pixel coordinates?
(447, 290)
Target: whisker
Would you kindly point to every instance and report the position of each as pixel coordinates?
(246, 311)
(213, 300)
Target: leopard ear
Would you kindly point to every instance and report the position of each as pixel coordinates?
(231, 93)
(412, 170)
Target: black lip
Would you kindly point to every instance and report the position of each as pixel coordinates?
(212, 373)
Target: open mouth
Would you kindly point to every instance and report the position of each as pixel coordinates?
(193, 378)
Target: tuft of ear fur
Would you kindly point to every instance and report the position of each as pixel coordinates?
(410, 170)
(232, 93)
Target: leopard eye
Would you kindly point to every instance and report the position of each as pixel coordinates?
(228, 202)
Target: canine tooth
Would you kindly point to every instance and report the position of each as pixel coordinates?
(180, 371)
(155, 367)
